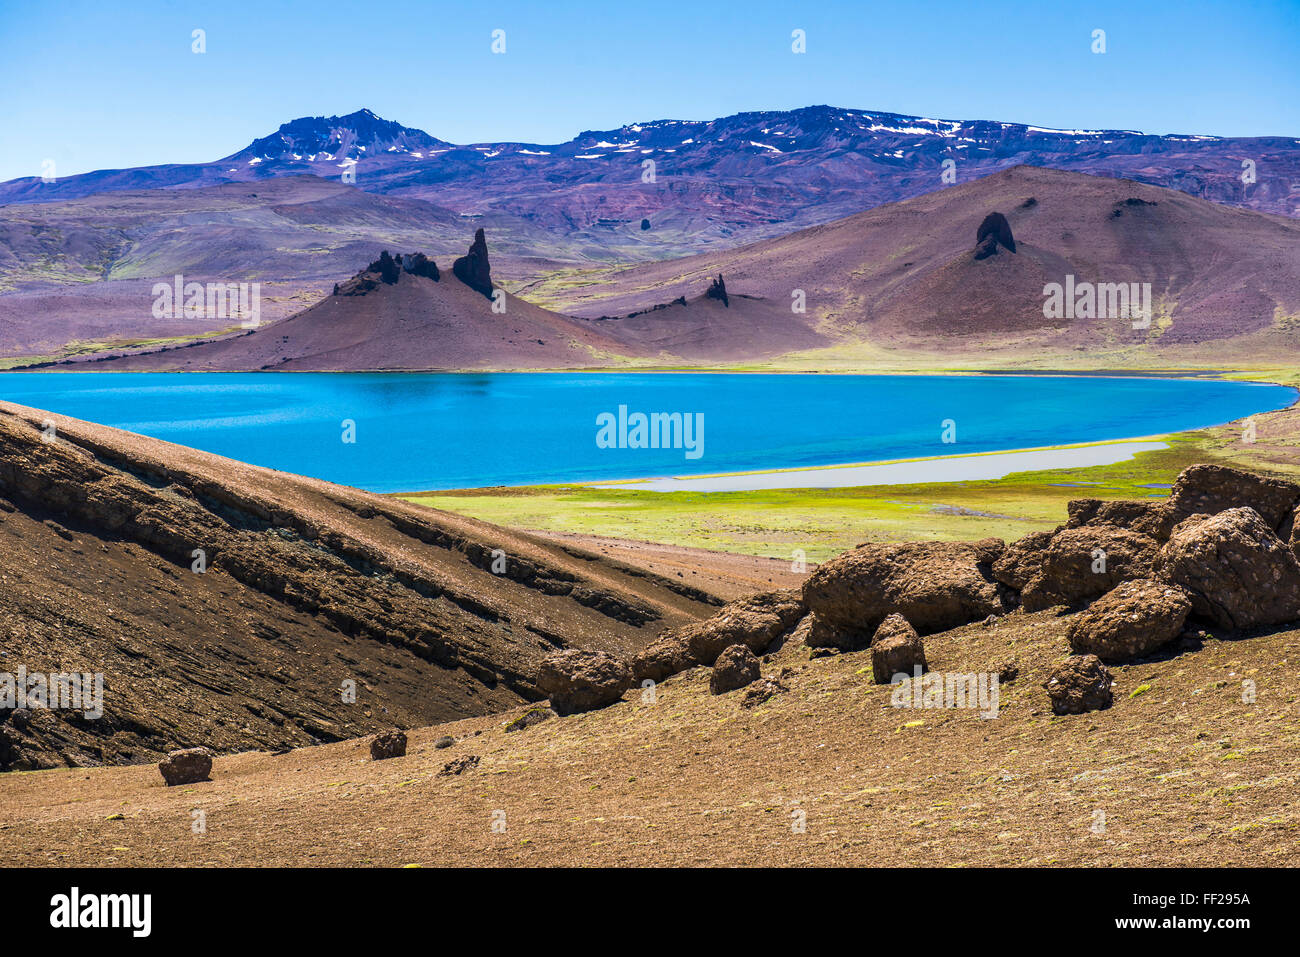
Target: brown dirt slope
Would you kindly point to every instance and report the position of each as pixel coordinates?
(307, 585)
(1183, 772)
(905, 273)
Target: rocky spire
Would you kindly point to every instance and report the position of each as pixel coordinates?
(473, 269)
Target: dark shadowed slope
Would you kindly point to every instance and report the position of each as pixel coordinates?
(308, 585)
(909, 272)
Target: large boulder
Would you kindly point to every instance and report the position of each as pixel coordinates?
(896, 649)
(1130, 621)
(1239, 573)
(1080, 684)
(664, 657)
(1149, 517)
(755, 622)
(1022, 561)
(1210, 489)
(934, 585)
(578, 681)
(1083, 563)
(473, 268)
(735, 668)
(188, 766)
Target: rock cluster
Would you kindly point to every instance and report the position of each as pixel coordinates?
(718, 290)
(1224, 549)
(387, 270)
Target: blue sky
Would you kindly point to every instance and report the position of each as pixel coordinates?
(96, 85)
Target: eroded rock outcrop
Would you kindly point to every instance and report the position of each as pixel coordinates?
(718, 290)
(993, 232)
(473, 268)
(1079, 564)
(187, 766)
(1210, 489)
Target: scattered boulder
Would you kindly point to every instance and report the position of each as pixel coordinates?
(896, 649)
(188, 766)
(578, 681)
(934, 585)
(1210, 489)
(1083, 563)
(1130, 621)
(446, 741)
(388, 744)
(1009, 671)
(735, 668)
(755, 622)
(1080, 684)
(664, 657)
(994, 231)
(645, 224)
(1239, 573)
(529, 718)
(473, 268)
(718, 290)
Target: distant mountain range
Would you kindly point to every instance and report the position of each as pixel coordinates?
(715, 182)
(927, 276)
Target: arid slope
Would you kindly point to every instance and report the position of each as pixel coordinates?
(307, 585)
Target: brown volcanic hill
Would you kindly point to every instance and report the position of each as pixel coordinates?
(907, 273)
(308, 585)
(402, 321)
(711, 329)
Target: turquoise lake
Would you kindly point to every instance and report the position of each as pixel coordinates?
(441, 431)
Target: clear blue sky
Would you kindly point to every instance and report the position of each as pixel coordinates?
(106, 84)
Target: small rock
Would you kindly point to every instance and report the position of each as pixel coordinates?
(735, 668)
(388, 744)
(187, 766)
(1009, 672)
(444, 742)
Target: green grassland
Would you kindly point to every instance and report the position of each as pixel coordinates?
(825, 522)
